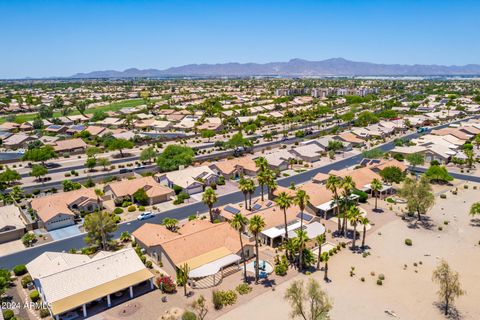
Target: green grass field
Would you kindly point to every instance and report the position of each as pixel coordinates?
(115, 106)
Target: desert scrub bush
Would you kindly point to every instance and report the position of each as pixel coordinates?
(443, 196)
(132, 208)
(408, 242)
(243, 289)
(118, 210)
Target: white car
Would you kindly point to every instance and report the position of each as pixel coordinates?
(145, 215)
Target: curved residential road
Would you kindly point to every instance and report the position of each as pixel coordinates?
(26, 255)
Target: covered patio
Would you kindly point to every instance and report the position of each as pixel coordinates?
(210, 274)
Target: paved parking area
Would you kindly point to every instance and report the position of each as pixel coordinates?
(65, 232)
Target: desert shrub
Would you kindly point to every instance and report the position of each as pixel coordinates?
(390, 200)
(362, 279)
(379, 282)
(118, 210)
(243, 289)
(8, 314)
(443, 196)
(408, 242)
(25, 281)
(141, 208)
(189, 315)
(149, 264)
(362, 196)
(381, 276)
(44, 313)
(34, 296)
(20, 270)
(221, 298)
(132, 208)
(166, 284)
(280, 270)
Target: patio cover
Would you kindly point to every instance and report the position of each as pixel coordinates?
(313, 229)
(274, 232)
(213, 267)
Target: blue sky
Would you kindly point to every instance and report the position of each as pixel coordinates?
(60, 38)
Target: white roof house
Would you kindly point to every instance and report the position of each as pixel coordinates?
(68, 281)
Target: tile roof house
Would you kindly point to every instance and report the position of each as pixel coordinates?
(189, 245)
(58, 210)
(350, 138)
(191, 179)
(235, 168)
(18, 140)
(12, 225)
(70, 281)
(309, 153)
(124, 190)
(75, 145)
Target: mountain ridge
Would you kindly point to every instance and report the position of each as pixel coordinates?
(294, 67)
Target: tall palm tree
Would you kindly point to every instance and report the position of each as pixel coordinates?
(284, 201)
(262, 177)
(302, 238)
(239, 222)
(364, 222)
(347, 185)
(354, 217)
(271, 183)
(209, 198)
(376, 185)
(325, 258)
(250, 189)
(333, 184)
(301, 200)
(256, 226)
(244, 187)
(320, 239)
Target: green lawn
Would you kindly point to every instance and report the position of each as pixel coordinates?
(115, 106)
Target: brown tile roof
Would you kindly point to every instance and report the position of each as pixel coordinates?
(350, 137)
(129, 187)
(70, 144)
(152, 234)
(229, 166)
(50, 206)
(361, 176)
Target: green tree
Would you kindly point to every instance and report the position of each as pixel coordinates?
(148, 154)
(375, 153)
(81, 106)
(175, 156)
(376, 186)
(257, 224)
(239, 223)
(200, 307)
(57, 102)
(308, 302)
(141, 197)
(38, 171)
(415, 159)
(364, 221)
(120, 145)
(320, 239)
(104, 162)
(475, 209)
(209, 198)
(449, 282)
(69, 185)
(418, 194)
(37, 124)
(9, 176)
(40, 155)
(100, 227)
(91, 163)
(333, 184)
(263, 171)
(438, 173)
(347, 185)
(238, 141)
(93, 151)
(207, 134)
(392, 174)
(284, 201)
(45, 112)
(301, 199)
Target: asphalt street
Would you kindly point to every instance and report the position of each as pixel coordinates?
(24, 256)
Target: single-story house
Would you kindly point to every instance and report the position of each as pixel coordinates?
(75, 145)
(12, 226)
(18, 140)
(235, 168)
(72, 282)
(124, 190)
(191, 179)
(309, 153)
(58, 210)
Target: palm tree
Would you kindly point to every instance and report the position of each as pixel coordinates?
(325, 257)
(364, 221)
(284, 201)
(262, 181)
(320, 239)
(376, 185)
(271, 183)
(333, 184)
(239, 222)
(256, 226)
(250, 189)
(301, 200)
(244, 187)
(354, 217)
(302, 238)
(209, 198)
(347, 185)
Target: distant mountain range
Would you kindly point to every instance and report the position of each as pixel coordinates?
(292, 68)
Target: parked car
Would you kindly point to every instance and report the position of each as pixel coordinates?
(145, 215)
